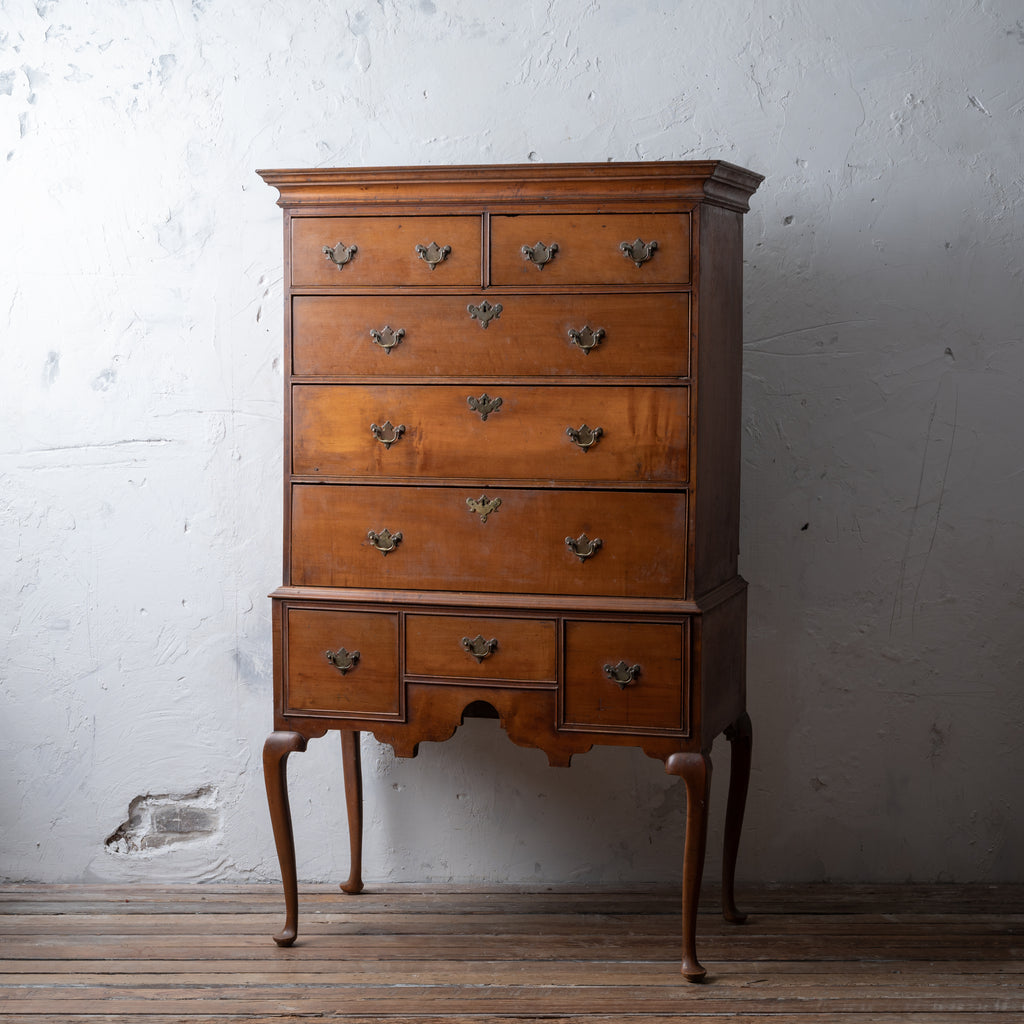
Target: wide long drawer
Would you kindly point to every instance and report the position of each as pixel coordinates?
(386, 251)
(504, 540)
(585, 434)
(625, 335)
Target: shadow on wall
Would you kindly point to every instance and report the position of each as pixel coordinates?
(883, 540)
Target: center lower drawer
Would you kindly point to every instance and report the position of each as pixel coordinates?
(588, 434)
(481, 648)
(502, 540)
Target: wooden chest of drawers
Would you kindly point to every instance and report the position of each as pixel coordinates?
(512, 447)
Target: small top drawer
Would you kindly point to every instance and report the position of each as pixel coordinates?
(348, 252)
(624, 249)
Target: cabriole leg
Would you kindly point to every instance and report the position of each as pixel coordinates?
(695, 771)
(275, 774)
(353, 767)
(741, 740)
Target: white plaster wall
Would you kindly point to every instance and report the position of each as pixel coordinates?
(140, 403)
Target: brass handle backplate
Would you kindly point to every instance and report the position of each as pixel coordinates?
(585, 437)
(583, 547)
(540, 254)
(387, 338)
(639, 251)
(622, 674)
(344, 661)
(433, 254)
(484, 313)
(340, 254)
(479, 647)
(389, 434)
(385, 541)
(586, 338)
(484, 405)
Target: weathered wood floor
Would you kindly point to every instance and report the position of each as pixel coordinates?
(808, 955)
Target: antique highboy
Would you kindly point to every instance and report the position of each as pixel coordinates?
(512, 459)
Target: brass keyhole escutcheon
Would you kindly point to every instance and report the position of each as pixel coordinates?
(484, 405)
(483, 506)
(484, 313)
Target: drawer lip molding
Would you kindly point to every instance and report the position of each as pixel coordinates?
(487, 603)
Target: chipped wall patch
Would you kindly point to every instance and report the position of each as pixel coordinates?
(157, 822)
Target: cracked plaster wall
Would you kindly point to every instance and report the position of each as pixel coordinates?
(140, 403)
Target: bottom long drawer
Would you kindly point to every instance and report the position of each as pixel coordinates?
(615, 543)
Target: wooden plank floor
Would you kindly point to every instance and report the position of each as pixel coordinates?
(808, 955)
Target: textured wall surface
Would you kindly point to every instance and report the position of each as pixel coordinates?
(140, 405)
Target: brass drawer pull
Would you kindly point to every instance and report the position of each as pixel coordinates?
(342, 660)
(622, 674)
(479, 647)
(586, 338)
(583, 547)
(540, 254)
(585, 438)
(483, 506)
(385, 541)
(639, 251)
(387, 338)
(340, 254)
(389, 434)
(433, 254)
(484, 313)
(484, 405)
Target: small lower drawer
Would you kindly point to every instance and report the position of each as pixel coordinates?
(481, 647)
(341, 663)
(625, 676)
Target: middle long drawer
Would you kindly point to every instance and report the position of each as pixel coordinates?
(586, 434)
